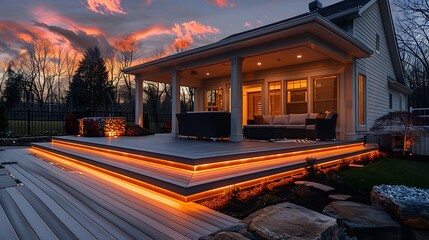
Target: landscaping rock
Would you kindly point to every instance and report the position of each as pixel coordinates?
(339, 197)
(315, 185)
(229, 236)
(288, 221)
(409, 205)
(364, 221)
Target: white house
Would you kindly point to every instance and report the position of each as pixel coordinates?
(342, 57)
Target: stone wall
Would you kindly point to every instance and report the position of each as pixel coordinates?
(102, 126)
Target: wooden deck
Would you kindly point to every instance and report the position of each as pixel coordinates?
(191, 169)
(39, 200)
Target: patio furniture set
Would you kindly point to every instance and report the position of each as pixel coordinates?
(319, 126)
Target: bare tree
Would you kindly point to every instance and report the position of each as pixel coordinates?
(127, 52)
(413, 41)
(71, 62)
(37, 68)
(3, 75)
(180, 45)
(187, 98)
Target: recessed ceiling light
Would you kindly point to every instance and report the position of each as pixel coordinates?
(208, 74)
(299, 56)
(259, 63)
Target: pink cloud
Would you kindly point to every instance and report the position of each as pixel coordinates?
(223, 3)
(189, 30)
(248, 25)
(106, 6)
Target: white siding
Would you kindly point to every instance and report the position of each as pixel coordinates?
(377, 67)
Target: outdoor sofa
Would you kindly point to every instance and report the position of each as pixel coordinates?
(205, 124)
(319, 126)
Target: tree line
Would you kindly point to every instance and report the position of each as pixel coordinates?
(45, 74)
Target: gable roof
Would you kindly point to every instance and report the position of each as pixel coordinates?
(338, 12)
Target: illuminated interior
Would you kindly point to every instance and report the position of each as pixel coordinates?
(187, 182)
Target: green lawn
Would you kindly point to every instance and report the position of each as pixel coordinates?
(19, 127)
(387, 171)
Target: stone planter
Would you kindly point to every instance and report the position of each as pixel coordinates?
(102, 126)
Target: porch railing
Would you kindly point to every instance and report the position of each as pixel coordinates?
(422, 116)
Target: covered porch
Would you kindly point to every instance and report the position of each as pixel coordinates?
(271, 70)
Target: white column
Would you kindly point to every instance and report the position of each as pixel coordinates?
(236, 100)
(175, 98)
(139, 102)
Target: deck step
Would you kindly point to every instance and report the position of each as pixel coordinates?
(187, 184)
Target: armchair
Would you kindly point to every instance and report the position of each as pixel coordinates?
(321, 128)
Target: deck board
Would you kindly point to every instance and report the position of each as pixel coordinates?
(75, 227)
(22, 228)
(39, 226)
(90, 207)
(6, 228)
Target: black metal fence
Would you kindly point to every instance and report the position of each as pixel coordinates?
(32, 123)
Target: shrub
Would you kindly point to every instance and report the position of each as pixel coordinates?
(4, 124)
(92, 128)
(311, 168)
(136, 130)
(300, 193)
(71, 126)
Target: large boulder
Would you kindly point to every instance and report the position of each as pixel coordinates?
(288, 221)
(410, 205)
(364, 221)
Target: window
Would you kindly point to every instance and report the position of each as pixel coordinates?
(377, 43)
(325, 94)
(361, 100)
(390, 101)
(213, 101)
(296, 93)
(275, 98)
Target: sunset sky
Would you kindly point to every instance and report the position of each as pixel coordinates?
(153, 23)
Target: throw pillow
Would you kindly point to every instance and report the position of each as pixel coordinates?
(258, 119)
(312, 115)
(281, 120)
(320, 116)
(296, 119)
(268, 119)
(330, 114)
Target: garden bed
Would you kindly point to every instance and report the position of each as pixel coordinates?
(356, 182)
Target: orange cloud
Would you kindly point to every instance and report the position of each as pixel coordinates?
(222, 3)
(188, 30)
(154, 30)
(106, 6)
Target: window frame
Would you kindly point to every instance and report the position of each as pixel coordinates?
(359, 125)
(287, 90)
(218, 100)
(337, 84)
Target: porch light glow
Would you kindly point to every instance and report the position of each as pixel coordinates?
(259, 63)
(299, 56)
(208, 74)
